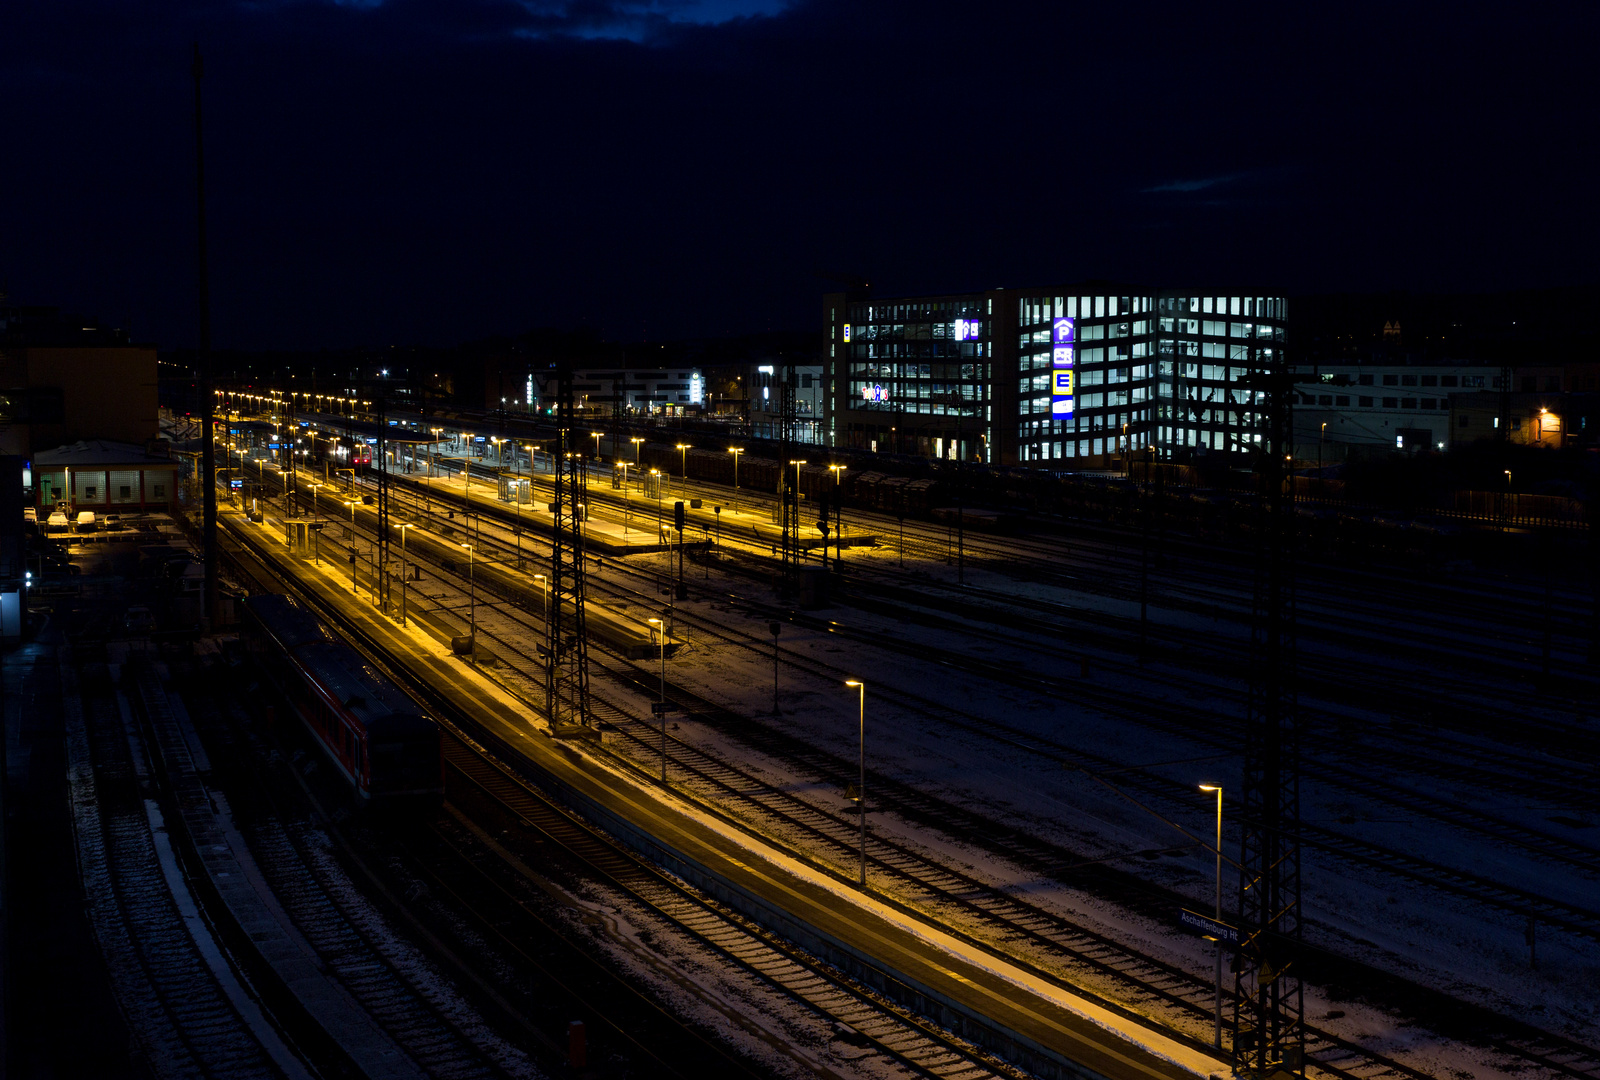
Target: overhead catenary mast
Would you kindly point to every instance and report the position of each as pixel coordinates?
(1269, 1004)
(566, 638)
(208, 458)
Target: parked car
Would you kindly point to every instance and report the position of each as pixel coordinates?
(30, 514)
(85, 521)
(57, 520)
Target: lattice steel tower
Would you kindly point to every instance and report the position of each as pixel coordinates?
(1269, 1006)
(788, 486)
(567, 641)
(380, 557)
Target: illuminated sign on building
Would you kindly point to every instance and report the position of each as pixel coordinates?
(847, 333)
(697, 390)
(967, 329)
(1062, 344)
(874, 393)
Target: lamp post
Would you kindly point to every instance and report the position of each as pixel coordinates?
(655, 482)
(596, 435)
(736, 451)
(659, 627)
(637, 443)
(799, 549)
(861, 773)
(1217, 1035)
(838, 515)
(403, 570)
(314, 488)
(627, 501)
(683, 462)
(546, 594)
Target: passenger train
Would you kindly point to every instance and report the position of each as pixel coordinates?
(372, 732)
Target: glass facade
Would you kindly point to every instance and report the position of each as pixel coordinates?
(1074, 375)
(923, 369)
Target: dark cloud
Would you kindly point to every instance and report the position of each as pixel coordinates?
(432, 170)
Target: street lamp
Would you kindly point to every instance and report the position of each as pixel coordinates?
(659, 627)
(637, 442)
(546, 593)
(735, 451)
(655, 482)
(800, 552)
(1216, 788)
(838, 515)
(861, 775)
(314, 488)
(403, 569)
(683, 461)
(596, 435)
(1321, 438)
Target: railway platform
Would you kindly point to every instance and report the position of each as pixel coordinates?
(1044, 1026)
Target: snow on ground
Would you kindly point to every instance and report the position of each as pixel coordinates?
(1437, 939)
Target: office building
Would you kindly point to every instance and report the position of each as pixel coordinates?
(1079, 376)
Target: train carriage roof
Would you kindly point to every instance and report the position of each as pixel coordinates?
(288, 620)
(339, 669)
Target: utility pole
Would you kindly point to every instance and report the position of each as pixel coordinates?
(208, 467)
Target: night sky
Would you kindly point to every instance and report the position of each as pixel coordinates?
(427, 172)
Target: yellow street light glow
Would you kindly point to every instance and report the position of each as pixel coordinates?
(851, 682)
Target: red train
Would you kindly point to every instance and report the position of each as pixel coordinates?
(372, 732)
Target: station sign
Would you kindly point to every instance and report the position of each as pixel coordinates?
(1063, 345)
(1209, 927)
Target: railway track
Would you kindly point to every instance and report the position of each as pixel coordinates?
(1573, 1050)
(1522, 903)
(403, 996)
(863, 1016)
(898, 1034)
(183, 1010)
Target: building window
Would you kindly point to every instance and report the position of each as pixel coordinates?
(1447, 380)
(1430, 380)
(1391, 380)
(1391, 403)
(1341, 401)
(1408, 403)
(1364, 402)
(158, 491)
(1325, 399)
(1408, 380)
(1516, 423)
(1364, 380)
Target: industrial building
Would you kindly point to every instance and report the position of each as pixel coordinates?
(1075, 376)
